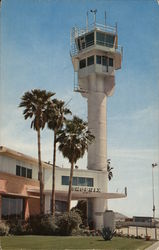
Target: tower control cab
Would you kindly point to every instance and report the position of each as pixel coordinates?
(95, 49)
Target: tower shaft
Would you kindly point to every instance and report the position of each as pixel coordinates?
(97, 151)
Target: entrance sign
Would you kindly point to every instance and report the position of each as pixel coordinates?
(86, 189)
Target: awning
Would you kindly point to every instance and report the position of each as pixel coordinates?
(77, 195)
(19, 195)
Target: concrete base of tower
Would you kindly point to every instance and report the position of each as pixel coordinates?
(96, 209)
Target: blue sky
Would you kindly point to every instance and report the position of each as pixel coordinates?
(35, 45)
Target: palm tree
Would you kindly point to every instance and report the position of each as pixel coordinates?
(56, 117)
(35, 103)
(73, 142)
(109, 170)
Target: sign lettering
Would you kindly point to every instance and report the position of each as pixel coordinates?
(86, 189)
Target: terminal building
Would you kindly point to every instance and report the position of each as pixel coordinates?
(19, 186)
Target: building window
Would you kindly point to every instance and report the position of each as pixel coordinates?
(89, 39)
(78, 181)
(81, 181)
(82, 63)
(81, 43)
(85, 41)
(24, 172)
(29, 173)
(18, 170)
(104, 60)
(65, 180)
(105, 39)
(74, 181)
(100, 38)
(60, 206)
(111, 62)
(12, 208)
(98, 59)
(90, 60)
(89, 182)
(110, 40)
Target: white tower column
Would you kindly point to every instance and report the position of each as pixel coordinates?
(99, 207)
(97, 155)
(97, 151)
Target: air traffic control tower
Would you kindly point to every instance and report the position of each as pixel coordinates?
(95, 56)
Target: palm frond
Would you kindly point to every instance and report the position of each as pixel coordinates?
(74, 139)
(34, 103)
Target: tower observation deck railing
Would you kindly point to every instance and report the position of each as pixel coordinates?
(97, 26)
(78, 32)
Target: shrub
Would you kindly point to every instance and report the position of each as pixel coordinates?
(48, 226)
(91, 225)
(81, 208)
(17, 227)
(107, 233)
(68, 222)
(42, 225)
(34, 223)
(4, 229)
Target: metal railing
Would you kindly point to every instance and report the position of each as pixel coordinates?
(77, 32)
(74, 50)
(97, 26)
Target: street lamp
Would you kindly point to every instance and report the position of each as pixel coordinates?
(153, 190)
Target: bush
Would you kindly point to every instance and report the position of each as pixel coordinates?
(81, 208)
(17, 227)
(107, 233)
(42, 225)
(34, 223)
(68, 222)
(48, 226)
(4, 229)
(91, 225)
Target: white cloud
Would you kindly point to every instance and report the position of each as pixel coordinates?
(149, 113)
(135, 154)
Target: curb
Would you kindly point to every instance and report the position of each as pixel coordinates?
(155, 246)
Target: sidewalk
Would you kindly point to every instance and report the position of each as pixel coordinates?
(155, 246)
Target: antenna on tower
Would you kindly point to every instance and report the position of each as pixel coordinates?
(105, 16)
(87, 22)
(116, 27)
(94, 12)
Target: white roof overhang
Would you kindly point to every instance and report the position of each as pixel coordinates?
(78, 195)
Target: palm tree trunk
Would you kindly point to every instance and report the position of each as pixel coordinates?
(40, 176)
(70, 187)
(53, 177)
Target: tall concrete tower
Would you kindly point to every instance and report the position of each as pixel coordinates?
(95, 56)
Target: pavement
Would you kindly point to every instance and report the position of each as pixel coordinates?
(155, 246)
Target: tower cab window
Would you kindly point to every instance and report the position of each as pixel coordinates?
(101, 60)
(89, 39)
(105, 39)
(111, 62)
(98, 59)
(82, 63)
(90, 60)
(85, 41)
(104, 60)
